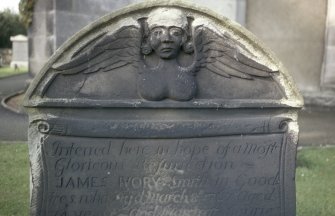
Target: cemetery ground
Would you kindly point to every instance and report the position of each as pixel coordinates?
(8, 71)
(315, 180)
(13, 126)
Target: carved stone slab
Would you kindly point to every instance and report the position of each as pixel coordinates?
(163, 109)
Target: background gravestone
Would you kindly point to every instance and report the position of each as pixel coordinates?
(20, 51)
(163, 109)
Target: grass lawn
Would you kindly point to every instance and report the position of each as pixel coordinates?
(8, 71)
(315, 181)
(14, 179)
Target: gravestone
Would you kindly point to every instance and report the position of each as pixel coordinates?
(163, 109)
(20, 51)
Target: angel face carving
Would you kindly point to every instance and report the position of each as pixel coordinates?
(167, 32)
(166, 41)
(167, 35)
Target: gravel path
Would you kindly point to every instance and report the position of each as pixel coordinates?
(13, 126)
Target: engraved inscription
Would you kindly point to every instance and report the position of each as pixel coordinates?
(164, 177)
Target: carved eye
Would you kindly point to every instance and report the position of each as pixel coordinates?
(157, 32)
(176, 32)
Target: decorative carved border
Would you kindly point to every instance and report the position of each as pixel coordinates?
(38, 168)
(138, 129)
(134, 103)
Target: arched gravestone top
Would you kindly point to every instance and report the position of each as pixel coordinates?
(210, 62)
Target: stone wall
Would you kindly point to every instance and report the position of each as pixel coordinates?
(55, 21)
(295, 31)
(41, 35)
(328, 78)
(72, 15)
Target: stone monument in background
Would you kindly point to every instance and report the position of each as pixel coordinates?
(20, 51)
(163, 109)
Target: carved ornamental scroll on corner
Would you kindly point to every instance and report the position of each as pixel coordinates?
(163, 108)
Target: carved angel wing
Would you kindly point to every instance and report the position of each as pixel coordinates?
(113, 50)
(222, 55)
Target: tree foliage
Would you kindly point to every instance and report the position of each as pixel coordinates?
(26, 8)
(10, 25)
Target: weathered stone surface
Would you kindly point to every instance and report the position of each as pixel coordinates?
(297, 39)
(328, 77)
(163, 109)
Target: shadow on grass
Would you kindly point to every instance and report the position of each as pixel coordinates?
(14, 179)
(315, 178)
(303, 161)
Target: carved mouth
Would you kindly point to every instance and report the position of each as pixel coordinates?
(167, 49)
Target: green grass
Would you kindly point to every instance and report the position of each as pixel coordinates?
(14, 179)
(8, 71)
(315, 181)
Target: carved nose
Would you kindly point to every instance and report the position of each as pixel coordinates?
(166, 37)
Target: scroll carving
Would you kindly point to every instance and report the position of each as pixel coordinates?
(43, 127)
(47, 127)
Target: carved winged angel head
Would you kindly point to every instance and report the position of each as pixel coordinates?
(165, 32)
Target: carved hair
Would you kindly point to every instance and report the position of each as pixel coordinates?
(188, 46)
(168, 16)
(146, 49)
